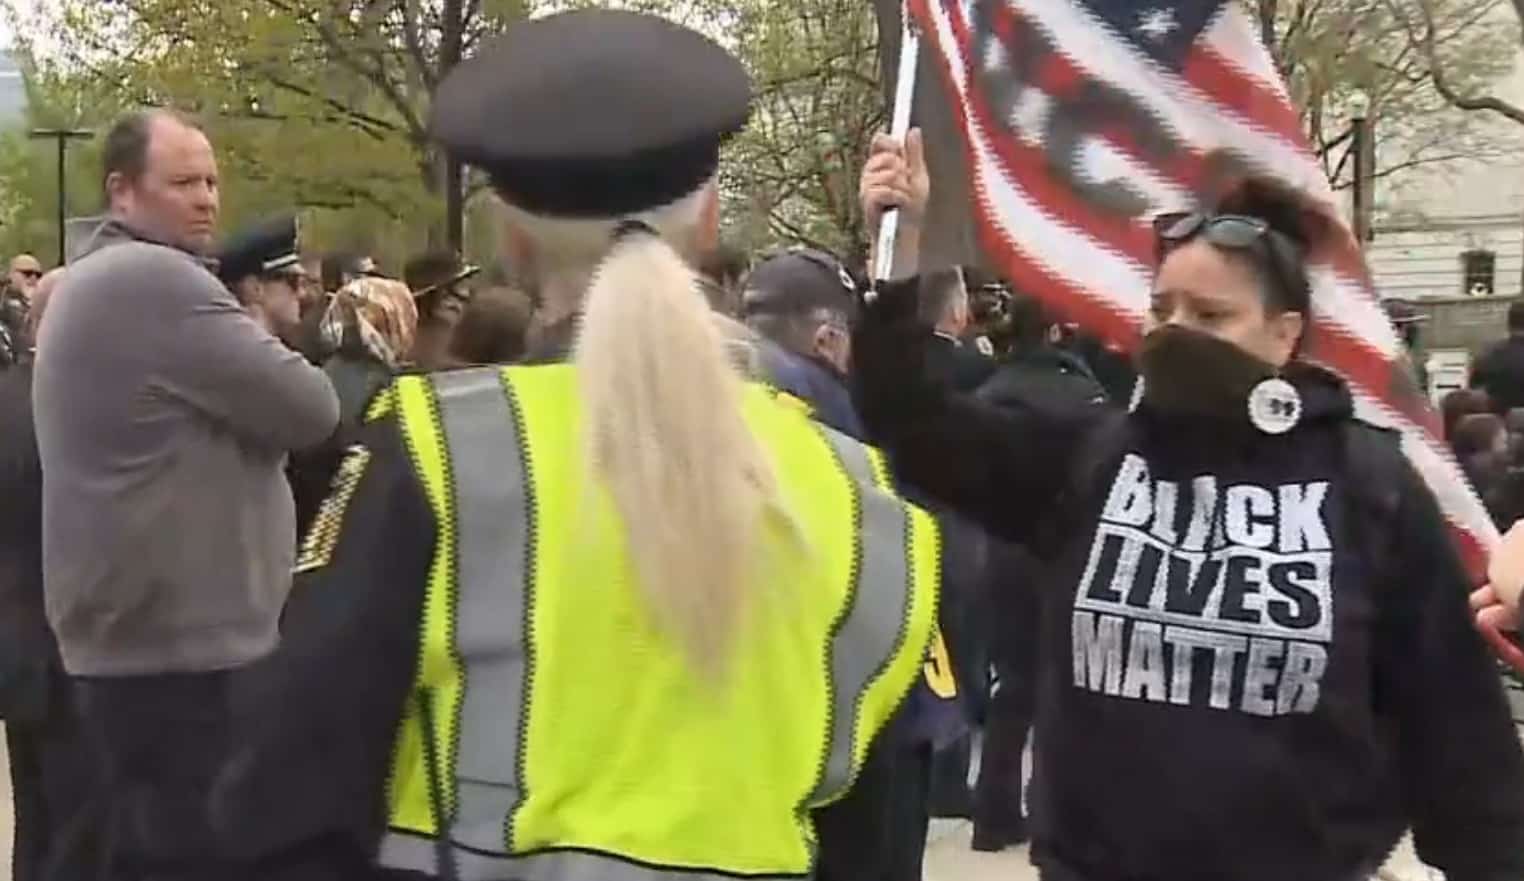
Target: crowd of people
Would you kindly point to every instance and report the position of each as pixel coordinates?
(1485, 424)
(656, 561)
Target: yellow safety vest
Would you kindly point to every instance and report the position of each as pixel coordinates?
(555, 734)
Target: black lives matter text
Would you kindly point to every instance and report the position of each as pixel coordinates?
(1207, 595)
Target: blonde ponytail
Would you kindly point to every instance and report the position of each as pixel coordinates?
(665, 434)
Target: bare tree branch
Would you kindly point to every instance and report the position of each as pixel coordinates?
(373, 126)
(1408, 164)
(348, 56)
(409, 10)
(1426, 40)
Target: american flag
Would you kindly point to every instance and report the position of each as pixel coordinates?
(1080, 119)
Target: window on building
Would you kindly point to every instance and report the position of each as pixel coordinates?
(1478, 272)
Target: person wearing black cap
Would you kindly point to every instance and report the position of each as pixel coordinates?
(263, 269)
(802, 303)
(627, 617)
(435, 279)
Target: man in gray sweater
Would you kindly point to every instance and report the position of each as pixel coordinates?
(164, 416)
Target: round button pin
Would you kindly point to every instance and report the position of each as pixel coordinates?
(1275, 406)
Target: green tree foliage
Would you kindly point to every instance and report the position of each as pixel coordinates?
(792, 175)
(311, 103)
(323, 104)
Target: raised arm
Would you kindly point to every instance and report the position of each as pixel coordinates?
(1002, 467)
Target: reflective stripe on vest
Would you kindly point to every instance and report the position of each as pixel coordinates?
(466, 434)
(868, 469)
(884, 555)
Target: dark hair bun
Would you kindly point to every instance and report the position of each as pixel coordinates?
(1290, 213)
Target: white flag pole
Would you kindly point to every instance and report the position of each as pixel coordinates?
(904, 96)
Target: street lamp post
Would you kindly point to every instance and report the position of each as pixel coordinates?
(1359, 120)
(62, 136)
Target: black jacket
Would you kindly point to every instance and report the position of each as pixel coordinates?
(1280, 706)
(1500, 371)
(28, 652)
(1043, 378)
(965, 367)
(1039, 379)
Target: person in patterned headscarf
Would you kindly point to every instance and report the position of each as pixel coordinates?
(371, 324)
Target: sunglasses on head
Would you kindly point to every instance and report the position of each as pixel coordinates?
(1238, 232)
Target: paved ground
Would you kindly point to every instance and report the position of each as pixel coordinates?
(948, 857)
(7, 820)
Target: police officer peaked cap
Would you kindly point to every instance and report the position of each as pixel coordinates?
(596, 113)
(267, 247)
(428, 273)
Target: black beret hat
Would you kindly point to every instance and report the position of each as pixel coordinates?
(596, 113)
(266, 247)
(797, 282)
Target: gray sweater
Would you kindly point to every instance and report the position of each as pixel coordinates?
(164, 414)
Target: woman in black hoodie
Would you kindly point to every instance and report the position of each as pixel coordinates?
(1257, 662)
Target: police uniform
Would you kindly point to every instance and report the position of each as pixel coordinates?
(467, 687)
(265, 248)
(435, 275)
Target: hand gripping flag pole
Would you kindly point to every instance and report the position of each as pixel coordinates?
(904, 96)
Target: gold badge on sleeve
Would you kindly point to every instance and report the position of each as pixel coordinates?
(323, 535)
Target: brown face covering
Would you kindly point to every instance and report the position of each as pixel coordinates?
(1192, 373)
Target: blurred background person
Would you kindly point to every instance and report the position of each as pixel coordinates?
(721, 271)
(1500, 370)
(1408, 321)
(1032, 370)
(49, 760)
(437, 280)
(494, 328)
(263, 269)
(313, 303)
(22, 279)
(1481, 444)
(15, 302)
(802, 303)
(1032, 375)
(370, 326)
(1462, 403)
(339, 268)
(945, 309)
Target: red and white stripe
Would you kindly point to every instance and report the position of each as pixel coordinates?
(1097, 269)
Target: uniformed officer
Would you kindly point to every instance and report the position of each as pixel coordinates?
(623, 618)
(436, 280)
(263, 269)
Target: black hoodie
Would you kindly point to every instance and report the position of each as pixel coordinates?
(1253, 668)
